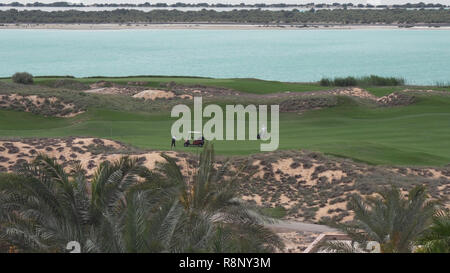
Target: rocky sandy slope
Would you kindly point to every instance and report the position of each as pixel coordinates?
(51, 106)
(173, 90)
(310, 186)
(133, 89)
(89, 152)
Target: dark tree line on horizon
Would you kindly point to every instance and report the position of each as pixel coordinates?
(220, 5)
(125, 16)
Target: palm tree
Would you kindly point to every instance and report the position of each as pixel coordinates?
(3, 247)
(39, 207)
(206, 213)
(391, 220)
(44, 207)
(124, 198)
(436, 239)
(128, 208)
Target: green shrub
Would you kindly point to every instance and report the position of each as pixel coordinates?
(22, 78)
(374, 80)
(349, 81)
(371, 80)
(276, 212)
(326, 82)
(69, 84)
(442, 84)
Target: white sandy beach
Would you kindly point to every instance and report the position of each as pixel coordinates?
(205, 26)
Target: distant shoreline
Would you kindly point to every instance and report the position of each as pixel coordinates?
(212, 26)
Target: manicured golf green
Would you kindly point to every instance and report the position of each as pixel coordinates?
(417, 134)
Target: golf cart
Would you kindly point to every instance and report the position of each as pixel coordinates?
(197, 139)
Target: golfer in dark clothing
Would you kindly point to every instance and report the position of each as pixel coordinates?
(173, 142)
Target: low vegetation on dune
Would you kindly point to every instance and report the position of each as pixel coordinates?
(80, 99)
(68, 84)
(46, 106)
(314, 187)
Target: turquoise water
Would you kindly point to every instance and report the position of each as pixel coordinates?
(419, 56)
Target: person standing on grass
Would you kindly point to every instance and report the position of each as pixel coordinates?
(262, 133)
(172, 145)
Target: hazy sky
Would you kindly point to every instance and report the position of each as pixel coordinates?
(447, 2)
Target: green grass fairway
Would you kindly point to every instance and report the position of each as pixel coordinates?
(380, 91)
(417, 134)
(244, 85)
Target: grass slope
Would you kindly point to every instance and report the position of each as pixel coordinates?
(409, 135)
(255, 86)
